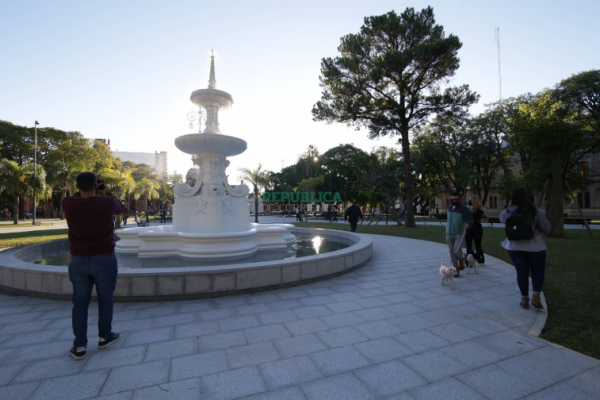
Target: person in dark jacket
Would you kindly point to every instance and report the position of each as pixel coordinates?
(458, 219)
(163, 216)
(352, 214)
(93, 260)
(475, 232)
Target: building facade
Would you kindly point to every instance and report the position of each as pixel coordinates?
(158, 160)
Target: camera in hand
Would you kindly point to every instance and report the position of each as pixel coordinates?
(101, 185)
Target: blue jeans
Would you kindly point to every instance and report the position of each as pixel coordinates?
(526, 261)
(84, 272)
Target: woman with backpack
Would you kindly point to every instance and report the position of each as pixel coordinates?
(475, 232)
(524, 225)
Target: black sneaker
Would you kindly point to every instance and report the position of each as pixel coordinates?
(105, 342)
(78, 353)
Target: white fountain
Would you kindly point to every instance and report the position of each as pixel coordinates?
(210, 217)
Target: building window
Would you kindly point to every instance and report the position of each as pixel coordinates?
(493, 201)
(583, 200)
(583, 169)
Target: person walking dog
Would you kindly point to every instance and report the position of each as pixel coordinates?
(524, 224)
(475, 232)
(93, 260)
(352, 214)
(458, 220)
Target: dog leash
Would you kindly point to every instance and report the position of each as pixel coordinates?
(462, 238)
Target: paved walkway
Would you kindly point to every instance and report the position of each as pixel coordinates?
(385, 331)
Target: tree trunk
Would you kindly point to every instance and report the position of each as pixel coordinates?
(256, 204)
(145, 208)
(408, 179)
(22, 208)
(555, 210)
(15, 209)
(62, 197)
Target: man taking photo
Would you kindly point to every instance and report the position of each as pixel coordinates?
(93, 260)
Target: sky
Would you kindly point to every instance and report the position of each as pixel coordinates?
(124, 70)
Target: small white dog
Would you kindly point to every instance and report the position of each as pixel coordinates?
(447, 273)
(471, 262)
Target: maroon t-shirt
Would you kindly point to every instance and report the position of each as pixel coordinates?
(90, 223)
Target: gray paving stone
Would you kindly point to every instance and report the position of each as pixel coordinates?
(222, 341)
(505, 344)
(263, 298)
(310, 312)
(176, 319)
(276, 317)
(413, 322)
(230, 385)
(182, 390)
(389, 378)
(315, 300)
(304, 326)
(378, 329)
(472, 354)
(400, 396)
(198, 365)
(291, 294)
(174, 348)
(252, 309)
(195, 306)
(447, 389)
(69, 388)
(483, 325)
(252, 354)
(212, 315)
(434, 365)
(230, 301)
(24, 327)
(18, 392)
(342, 320)
(133, 325)
(111, 358)
(454, 332)
(136, 376)
(375, 314)
(26, 339)
(52, 368)
(156, 311)
(341, 337)
(266, 333)
(298, 345)
(344, 306)
(496, 383)
(341, 387)
(285, 304)
(237, 323)
(137, 338)
(288, 393)
(561, 391)
(8, 372)
(116, 396)
(290, 371)
(420, 341)
(588, 381)
(345, 296)
(339, 360)
(381, 350)
(570, 360)
(398, 298)
(198, 329)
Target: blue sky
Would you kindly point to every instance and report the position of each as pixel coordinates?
(125, 70)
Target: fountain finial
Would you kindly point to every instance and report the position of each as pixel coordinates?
(212, 81)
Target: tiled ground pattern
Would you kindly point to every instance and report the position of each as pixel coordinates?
(386, 331)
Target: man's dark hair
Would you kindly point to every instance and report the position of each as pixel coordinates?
(455, 194)
(86, 181)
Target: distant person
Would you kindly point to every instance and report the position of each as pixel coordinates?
(458, 220)
(524, 224)
(475, 232)
(163, 216)
(353, 213)
(125, 215)
(93, 260)
(298, 217)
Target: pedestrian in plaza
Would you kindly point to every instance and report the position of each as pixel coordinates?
(93, 260)
(458, 220)
(475, 232)
(352, 214)
(524, 224)
(163, 216)
(125, 215)
(298, 218)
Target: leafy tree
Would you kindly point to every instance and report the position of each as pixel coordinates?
(17, 180)
(63, 176)
(146, 189)
(343, 164)
(387, 79)
(259, 179)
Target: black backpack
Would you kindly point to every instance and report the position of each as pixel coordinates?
(518, 226)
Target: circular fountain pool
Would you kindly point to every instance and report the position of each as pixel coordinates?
(21, 274)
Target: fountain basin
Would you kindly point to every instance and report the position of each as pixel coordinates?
(20, 275)
(211, 144)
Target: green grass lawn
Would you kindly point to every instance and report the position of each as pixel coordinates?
(571, 285)
(6, 226)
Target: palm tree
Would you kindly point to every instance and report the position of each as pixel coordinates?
(17, 180)
(258, 178)
(146, 188)
(121, 182)
(63, 177)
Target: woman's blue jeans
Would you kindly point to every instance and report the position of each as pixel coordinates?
(526, 261)
(84, 272)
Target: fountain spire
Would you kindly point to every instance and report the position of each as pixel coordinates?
(212, 81)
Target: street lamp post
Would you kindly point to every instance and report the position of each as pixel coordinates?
(34, 169)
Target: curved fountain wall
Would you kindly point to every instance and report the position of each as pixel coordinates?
(20, 275)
